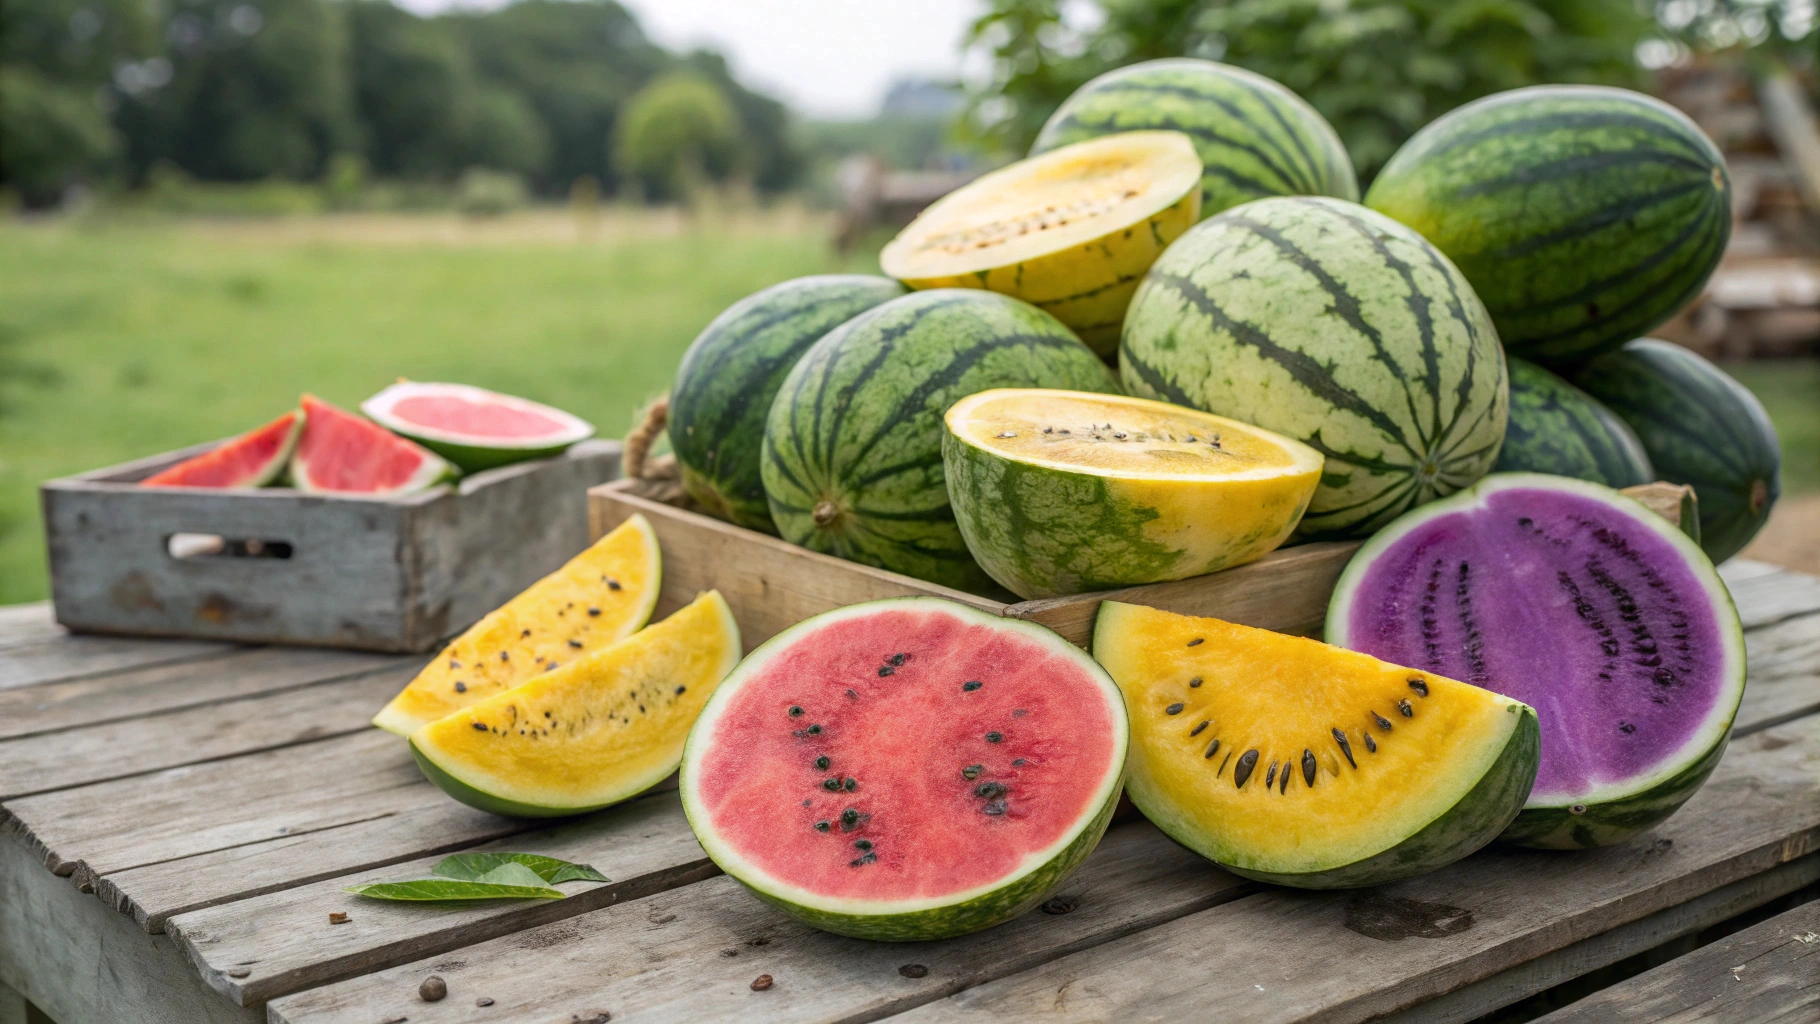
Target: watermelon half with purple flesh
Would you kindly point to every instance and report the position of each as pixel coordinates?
(341, 453)
(906, 769)
(475, 428)
(253, 459)
(1581, 603)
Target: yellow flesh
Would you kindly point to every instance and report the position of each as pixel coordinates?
(1282, 695)
(598, 729)
(572, 611)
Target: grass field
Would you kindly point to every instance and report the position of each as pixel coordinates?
(124, 339)
(121, 340)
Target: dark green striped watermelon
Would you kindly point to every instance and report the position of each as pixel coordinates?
(1557, 428)
(853, 444)
(1700, 428)
(1583, 215)
(1255, 138)
(1322, 320)
(731, 372)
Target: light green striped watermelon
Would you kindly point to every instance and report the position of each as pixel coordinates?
(1255, 137)
(1334, 325)
(1557, 428)
(731, 372)
(1583, 215)
(1701, 428)
(853, 444)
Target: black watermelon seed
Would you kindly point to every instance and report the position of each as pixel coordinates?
(830, 784)
(1403, 706)
(1270, 777)
(461, 687)
(680, 690)
(1308, 767)
(1196, 642)
(1196, 681)
(814, 730)
(1017, 762)
(575, 644)
(454, 664)
(822, 761)
(593, 611)
(1173, 709)
(613, 585)
(994, 808)
(796, 711)
(989, 790)
(1383, 723)
(524, 634)
(862, 844)
(1212, 749)
(897, 659)
(850, 785)
(505, 655)
(863, 859)
(971, 685)
(1196, 731)
(1418, 684)
(1370, 744)
(822, 826)
(808, 803)
(482, 726)
(994, 737)
(1242, 772)
(848, 819)
(1283, 787)
(1345, 747)
(852, 693)
(885, 670)
(972, 771)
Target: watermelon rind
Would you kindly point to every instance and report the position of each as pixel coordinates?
(270, 473)
(732, 371)
(937, 917)
(1331, 324)
(853, 441)
(1584, 216)
(1701, 428)
(1616, 811)
(1255, 137)
(1557, 428)
(472, 453)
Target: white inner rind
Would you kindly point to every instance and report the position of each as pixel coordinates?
(733, 863)
(379, 407)
(1718, 720)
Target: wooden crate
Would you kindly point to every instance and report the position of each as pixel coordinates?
(277, 566)
(772, 584)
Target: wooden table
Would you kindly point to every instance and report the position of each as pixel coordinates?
(181, 819)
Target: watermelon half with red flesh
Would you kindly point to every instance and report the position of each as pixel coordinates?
(1581, 603)
(341, 453)
(475, 428)
(253, 459)
(906, 769)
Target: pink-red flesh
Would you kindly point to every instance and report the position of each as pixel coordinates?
(456, 414)
(242, 462)
(905, 737)
(340, 451)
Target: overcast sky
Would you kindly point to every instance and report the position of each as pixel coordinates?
(826, 58)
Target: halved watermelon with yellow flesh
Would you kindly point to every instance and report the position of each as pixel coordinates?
(1062, 492)
(1071, 231)
(253, 459)
(1290, 761)
(472, 427)
(341, 453)
(602, 596)
(600, 729)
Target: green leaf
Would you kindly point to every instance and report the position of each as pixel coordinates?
(426, 890)
(473, 866)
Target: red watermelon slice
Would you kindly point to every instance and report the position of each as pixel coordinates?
(253, 459)
(342, 453)
(475, 428)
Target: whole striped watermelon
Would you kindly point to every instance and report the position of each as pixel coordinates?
(853, 443)
(732, 370)
(1701, 428)
(1557, 428)
(1583, 216)
(1322, 320)
(1255, 137)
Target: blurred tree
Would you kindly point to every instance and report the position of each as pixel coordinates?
(677, 133)
(1377, 69)
(53, 135)
(768, 150)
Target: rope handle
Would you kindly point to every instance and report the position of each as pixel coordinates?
(638, 463)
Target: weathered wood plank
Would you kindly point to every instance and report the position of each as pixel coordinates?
(1768, 594)
(81, 963)
(115, 697)
(1341, 957)
(690, 954)
(140, 746)
(1784, 681)
(56, 658)
(1766, 974)
(26, 623)
(644, 847)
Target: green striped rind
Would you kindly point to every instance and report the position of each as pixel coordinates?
(731, 372)
(1701, 428)
(856, 430)
(1584, 216)
(467, 794)
(1602, 824)
(1557, 428)
(1476, 820)
(1322, 320)
(1255, 138)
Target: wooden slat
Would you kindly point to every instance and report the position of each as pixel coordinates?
(120, 696)
(1766, 974)
(27, 623)
(692, 953)
(644, 847)
(1784, 681)
(52, 659)
(139, 746)
(1767, 594)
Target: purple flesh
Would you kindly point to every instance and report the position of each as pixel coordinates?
(1566, 604)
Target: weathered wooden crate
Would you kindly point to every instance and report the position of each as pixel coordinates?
(772, 584)
(277, 566)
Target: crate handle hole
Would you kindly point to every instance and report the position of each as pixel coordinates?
(188, 546)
